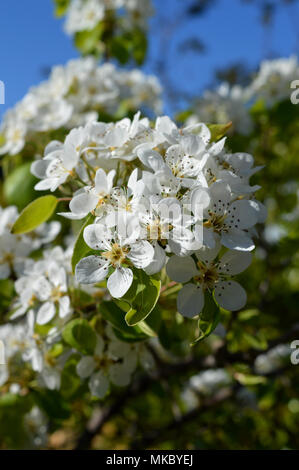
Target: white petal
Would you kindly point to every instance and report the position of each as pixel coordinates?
(83, 203)
(230, 295)
(237, 240)
(119, 375)
(97, 237)
(217, 147)
(207, 255)
(85, 367)
(51, 377)
(181, 269)
(91, 270)
(71, 215)
(242, 214)
(120, 282)
(208, 235)
(234, 262)
(200, 200)
(220, 194)
(101, 183)
(4, 271)
(45, 184)
(141, 254)
(158, 261)
(99, 385)
(45, 313)
(64, 306)
(190, 300)
(151, 159)
(39, 168)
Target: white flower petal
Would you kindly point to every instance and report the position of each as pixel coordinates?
(119, 375)
(4, 271)
(83, 203)
(234, 262)
(86, 366)
(46, 313)
(120, 282)
(242, 214)
(64, 306)
(181, 269)
(97, 236)
(141, 254)
(237, 240)
(101, 183)
(91, 270)
(99, 385)
(158, 261)
(190, 300)
(230, 295)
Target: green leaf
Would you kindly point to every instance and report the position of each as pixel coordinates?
(115, 316)
(36, 213)
(80, 248)
(80, 335)
(89, 42)
(61, 7)
(152, 324)
(209, 318)
(70, 381)
(247, 379)
(52, 403)
(139, 43)
(6, 292)
(141, 297)
(218, 130)
(183, 115)
(120, 49)
(21, 177)
(15, 402)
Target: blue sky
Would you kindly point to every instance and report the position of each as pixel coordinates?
(32, 39)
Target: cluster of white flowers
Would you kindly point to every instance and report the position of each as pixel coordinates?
(23, 345)
(160, 196)
(43, 288)
(203, 384)
(84, 15)
(209, 381)
(73, 95)
(273, 81)
(44, 291)
(113, 362)
(273, 360)
(231, 103)
(15, 249)
(223, 105)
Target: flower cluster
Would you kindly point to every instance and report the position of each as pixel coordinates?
(159, 196)
(113, 363)
(227, 103)
(84, 15)
(73, 95)
(15, 249)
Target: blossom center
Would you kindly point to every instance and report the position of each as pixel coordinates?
(116, 255)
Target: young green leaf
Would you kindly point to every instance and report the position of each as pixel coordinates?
(209, 318)
(21, 176)
(80, 336)
(141, 297)
(80, 248)
(218, 130)
(35, 214)
(115, 316)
